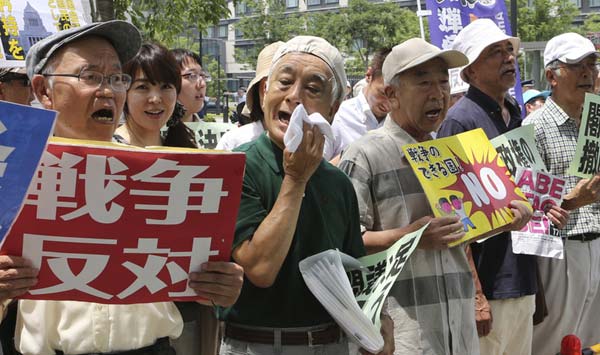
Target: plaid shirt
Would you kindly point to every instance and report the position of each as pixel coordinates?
(556, 138)
(432, 301)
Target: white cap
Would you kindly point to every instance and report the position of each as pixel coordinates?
(477, 36)
(568, 48)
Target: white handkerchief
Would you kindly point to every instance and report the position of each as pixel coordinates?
(293, 135)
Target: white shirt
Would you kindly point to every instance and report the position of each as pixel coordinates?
(83, 327)
(353, 120)
(238, 136)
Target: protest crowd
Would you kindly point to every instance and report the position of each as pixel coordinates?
(345, 184)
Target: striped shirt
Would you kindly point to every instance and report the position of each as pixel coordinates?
(432, 301)
(556, 138)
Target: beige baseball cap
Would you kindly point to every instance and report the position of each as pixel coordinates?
(416, 51)
(263, 64)
(319, 47)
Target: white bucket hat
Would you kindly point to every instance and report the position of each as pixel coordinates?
(477, 36)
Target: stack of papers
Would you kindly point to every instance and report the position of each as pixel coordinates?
(353, 290)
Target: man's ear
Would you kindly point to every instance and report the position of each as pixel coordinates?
(551, 77)
(42, 91)
(369, 75)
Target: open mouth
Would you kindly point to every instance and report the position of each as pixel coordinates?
(433, 114)
(586, 87)
(156, 113)
(104, 115)
(284, 117)
(509, 72)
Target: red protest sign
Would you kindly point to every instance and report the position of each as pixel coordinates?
(110, 224)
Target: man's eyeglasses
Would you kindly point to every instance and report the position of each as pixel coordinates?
(118, 82)
(194, 77)
(16, 77)
(594, 67)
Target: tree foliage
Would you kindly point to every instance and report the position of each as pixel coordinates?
(591, 24)
(545, 19)
(164, 20)
(267, 23)
(363, 27)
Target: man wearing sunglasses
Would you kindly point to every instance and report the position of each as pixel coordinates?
(15, 86)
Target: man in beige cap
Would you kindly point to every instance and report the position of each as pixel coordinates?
(572, 283)
(431, 302)
(293, 205)
(254, 99)
(15, 86)
(506, 279)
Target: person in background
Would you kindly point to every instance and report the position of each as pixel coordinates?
(534, 100)
(152, 101)
(527, 85)
(15, 86)
(254, 100)
(193, 84)
(364, 112)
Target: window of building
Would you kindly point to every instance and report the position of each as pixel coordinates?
(290, 4)
(594, 3)
(223, 31)
(332, 1)
(577, 3)
(210, 32)
(241, 8)
(313, 2)
(33, 22)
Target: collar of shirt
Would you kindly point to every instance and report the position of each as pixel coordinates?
(395, 130)
(556, 113)
(364, 107)
(494, 111)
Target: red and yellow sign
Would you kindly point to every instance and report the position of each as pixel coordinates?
(112, 224)
(463, 175)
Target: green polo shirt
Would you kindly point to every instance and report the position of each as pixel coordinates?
(328, 219)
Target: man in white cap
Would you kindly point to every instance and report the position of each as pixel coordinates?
(362, 113)
(571, 284)
(508, 280)
(431, 302)
(254, 99)
(77, 72)
(293, 205)
(15, 86)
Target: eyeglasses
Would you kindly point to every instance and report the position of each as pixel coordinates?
(16, 77)
(118, 82)
(594, 67)
(194, 77)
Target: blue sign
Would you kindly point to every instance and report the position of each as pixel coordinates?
(24, 132)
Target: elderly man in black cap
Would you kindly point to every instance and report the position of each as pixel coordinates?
(78, 73)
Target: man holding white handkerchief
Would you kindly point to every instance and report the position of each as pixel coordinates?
(294, 204)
